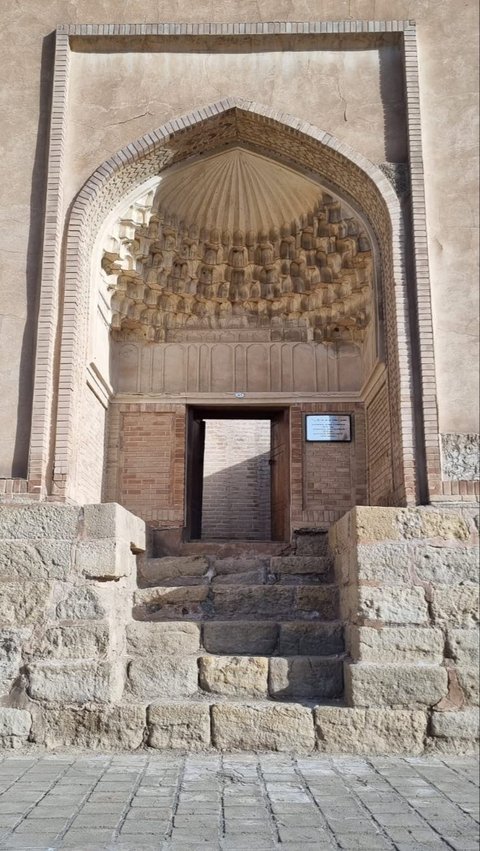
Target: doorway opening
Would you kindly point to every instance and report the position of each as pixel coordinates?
(238, 474)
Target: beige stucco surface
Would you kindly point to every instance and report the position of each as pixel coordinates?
(341, 93)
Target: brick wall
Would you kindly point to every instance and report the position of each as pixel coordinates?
(236, 490)
(379, 449)
(327, 479)
(151, 460)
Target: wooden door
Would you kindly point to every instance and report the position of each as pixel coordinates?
(280, 475)
(194, 480)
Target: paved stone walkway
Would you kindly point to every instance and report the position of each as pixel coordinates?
(142, 802)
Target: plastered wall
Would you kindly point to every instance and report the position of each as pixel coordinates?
(347, 95)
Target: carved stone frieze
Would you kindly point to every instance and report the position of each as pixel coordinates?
(230, 246)
(460, 456)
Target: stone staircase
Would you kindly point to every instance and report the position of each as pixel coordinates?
(243, 626)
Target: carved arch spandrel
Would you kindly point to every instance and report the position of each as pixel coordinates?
(280, 136)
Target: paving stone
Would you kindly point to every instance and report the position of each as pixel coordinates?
(350, 792)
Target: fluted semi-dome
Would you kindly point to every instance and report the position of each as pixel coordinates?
(239, 241)
(235, 190)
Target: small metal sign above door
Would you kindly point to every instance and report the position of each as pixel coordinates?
(328, 428)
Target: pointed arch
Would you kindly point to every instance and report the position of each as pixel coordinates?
(280, 136)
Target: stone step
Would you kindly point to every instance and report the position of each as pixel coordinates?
(301, 569)
(277, 677)
(247, 602)
(291, 638)
(180, 569)
(235, 638)
(169, 542)
(151, 676)
(202, 570)
(311, 543)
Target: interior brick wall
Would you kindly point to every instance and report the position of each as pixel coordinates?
(379, 449)
(151, 462)
(327, 479)
(236, 483)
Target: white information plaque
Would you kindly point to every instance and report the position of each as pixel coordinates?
(328, 428)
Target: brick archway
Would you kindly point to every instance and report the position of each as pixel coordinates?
(280, 136)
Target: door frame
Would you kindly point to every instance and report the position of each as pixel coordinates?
(197, 412)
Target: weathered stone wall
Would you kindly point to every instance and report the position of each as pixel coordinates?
(66, 581)
(77, 670)
(409, 594)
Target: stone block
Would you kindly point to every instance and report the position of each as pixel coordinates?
(162, 638)
(455, 607)
(318, 565)
(396, 644)
(451, 747)
(80, 641)
(105, 559)
(394, 685)
(110, 520)
(173, 603)
(447, 565)
(318, 601)
(393, 605)
(23, 603)
(463, 724)
(370, 731)
(35, 560)
(438, 524)
(72, 682)
(262, 726)
(234, 675)
(311, 543)
(372, 524)
(39, 520)
(80, 604)
(247, 577)
(179, 725)
(310, 639)
(387, 564)
(11, 645)
(240, 637)
(305, 677)
(239, 564)
(15, 726)
(160, 677)
(260, 600)
(464, 646)
(156, 570)
(421, 523)
(92, 727)
(468, 677)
